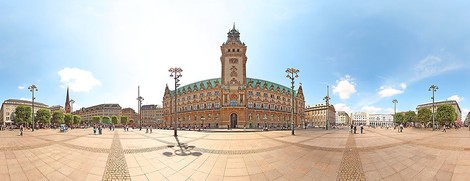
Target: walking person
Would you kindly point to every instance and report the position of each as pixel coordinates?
(146, 129)
(355, 129)
(362, 128)
(94, 129)
(150, 129)
(444, 130)
(351, 129)
(21, 130)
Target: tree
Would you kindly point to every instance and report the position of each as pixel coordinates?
(445, 115)
(399, 118)
(131, 122)
(124, 120)
(43, 116)
(57, 118)
(424, 116)
(23, 114)
(77, 119)
(410, 117)
(106, 120)
(96, 119)
(114, 119)
(68, 119)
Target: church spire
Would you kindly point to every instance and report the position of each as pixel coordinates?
(67, 101)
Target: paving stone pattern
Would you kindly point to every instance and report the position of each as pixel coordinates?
(351, 166)
(116, 166)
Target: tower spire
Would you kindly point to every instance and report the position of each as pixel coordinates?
(67, 101)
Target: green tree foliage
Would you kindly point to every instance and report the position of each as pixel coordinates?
(399, 118)
(57, 118)
(131, 121)
(409, 117)
(106, 120)
(124, 120)
(424, 116)
(114, 119)
(23, 114)
(445, 115)
(77, 119)
(96, 119)
(43, 116)
(68, 119)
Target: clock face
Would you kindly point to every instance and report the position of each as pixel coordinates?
(233, 61)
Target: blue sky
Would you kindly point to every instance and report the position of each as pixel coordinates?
(369, 52)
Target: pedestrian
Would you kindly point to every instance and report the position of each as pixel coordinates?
(94, 129)
(146, 129)
(351, 129)
(401, 128)
(355, 129)
(21, 130)
(362, 128)
(444, 130)
(150, 129)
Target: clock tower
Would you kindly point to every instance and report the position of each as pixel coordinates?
(233, 61)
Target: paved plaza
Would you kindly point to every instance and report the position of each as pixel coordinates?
(313, 154)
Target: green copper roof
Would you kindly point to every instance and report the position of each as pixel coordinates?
(252, 81)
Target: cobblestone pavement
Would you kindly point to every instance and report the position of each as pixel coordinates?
(351, 166)
(116, 166)
(312, 154)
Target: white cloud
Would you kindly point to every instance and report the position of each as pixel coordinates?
(431, 66)
(343, 107)
(403, 85)
(21, 87)
(77, 79)
(371, 109)
(387, 92)
(456, 98)
(344, 87)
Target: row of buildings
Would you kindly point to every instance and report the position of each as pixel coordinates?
(151, 114)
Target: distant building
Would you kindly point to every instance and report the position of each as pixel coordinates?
(130, 114)
(98, 110)
(467, 119)
(57, 108)
(315, 115)
(385, 120)
(360, 118)
(342, 118)
(151, 114)
(7, 112)
(453, 103)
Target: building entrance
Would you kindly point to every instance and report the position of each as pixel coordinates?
(233, 120)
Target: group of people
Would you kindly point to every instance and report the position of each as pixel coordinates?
(98, 128)
(354, 129)
(147, 130)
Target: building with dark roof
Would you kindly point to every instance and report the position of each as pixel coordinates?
(7, 112)
(233, 100)
(98, 110)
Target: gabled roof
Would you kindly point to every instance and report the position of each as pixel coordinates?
(206, 84)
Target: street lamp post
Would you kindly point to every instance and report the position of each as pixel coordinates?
(395, 108)
(433, 88)
(327, 100)
(292, 74)
(139, 104)
(176, 74)
(32, 88)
